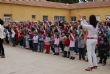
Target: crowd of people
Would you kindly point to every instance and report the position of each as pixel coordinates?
(68, 38)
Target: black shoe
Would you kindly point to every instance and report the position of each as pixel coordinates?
(89, 69)
(67, 56)
(86, 60)
(72, 58)
(83, 58)
(99, 62)
(54, 54)
(57, 54)
(94, 67)
(103, 64)
(79, 58)
(2, 56)
(64, 56)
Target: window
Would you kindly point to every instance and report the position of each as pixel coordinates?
(59, 18)
(34, 0)
(73, 18)
(84, 17)
(33, 16)
(108, 17)
(103, 0)
(7, 18)
(98, 18)
(81, 1)
(91, 0)
(45, 18)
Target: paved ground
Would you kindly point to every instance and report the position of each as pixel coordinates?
(22, 61)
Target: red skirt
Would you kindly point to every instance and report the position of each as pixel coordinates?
(47, 48)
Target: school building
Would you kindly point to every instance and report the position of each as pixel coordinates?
(23, 10)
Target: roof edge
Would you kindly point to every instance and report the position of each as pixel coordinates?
(39, 4)
(60, 5)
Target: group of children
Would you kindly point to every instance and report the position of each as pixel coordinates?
(66, 38)
(103, 43)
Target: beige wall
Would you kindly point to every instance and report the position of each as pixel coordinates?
(102, 12)
(23, 13)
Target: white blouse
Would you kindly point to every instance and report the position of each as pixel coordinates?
(72, 43)
(92, 32)
(35, 39)
(47, 41)
(57, 41)
(13, 33)
(2, 34)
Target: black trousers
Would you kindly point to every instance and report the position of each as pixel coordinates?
(66, 54)
(81, 53)
(103, 56)
(13, 41)
(6, 39)
(62, 47)
(1, 47)
(52, 48)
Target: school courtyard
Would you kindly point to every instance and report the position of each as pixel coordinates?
(23, 61)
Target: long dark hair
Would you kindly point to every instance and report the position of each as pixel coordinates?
(1, 22)
(93, 21)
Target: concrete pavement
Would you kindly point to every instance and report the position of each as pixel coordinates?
(22, 61)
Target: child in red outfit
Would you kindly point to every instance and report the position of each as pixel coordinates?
(66, 48)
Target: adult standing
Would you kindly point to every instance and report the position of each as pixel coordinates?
(2, 36)
(92, 37)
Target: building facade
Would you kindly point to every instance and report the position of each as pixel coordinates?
(34, 10)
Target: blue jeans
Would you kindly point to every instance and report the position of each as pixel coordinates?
(71, 50)
(41, 46)
(35, 47)
(13, 41)
(56, 48)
